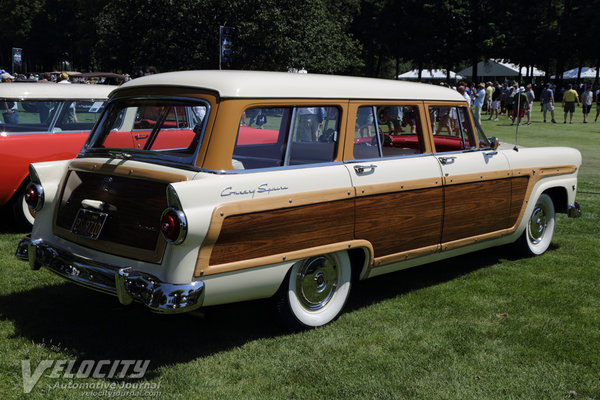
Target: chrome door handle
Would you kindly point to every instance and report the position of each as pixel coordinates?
(141, 136)
(490, 153)
(360, 169)
(447, 160)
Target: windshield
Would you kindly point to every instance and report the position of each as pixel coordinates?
(49, 116)
(151, 129)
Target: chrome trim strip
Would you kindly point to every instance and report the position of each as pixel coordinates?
(125, 283)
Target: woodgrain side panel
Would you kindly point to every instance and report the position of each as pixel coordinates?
(400, 221)
(476, 208)
(517, 200)
(265, 233)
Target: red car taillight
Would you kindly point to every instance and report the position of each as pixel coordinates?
(173, 225)
(34, 196)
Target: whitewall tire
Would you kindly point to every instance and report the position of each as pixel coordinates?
(538, 233)
(22, 218)
(315, 290)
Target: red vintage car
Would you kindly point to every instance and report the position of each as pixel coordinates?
(41, 122)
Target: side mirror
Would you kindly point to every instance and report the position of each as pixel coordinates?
(494, 143)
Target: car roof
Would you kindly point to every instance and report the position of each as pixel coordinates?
(53, 91)
(259, 84)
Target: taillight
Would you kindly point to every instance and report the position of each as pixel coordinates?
(173, 225)
(34, 196)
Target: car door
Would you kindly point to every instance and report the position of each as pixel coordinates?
(399, 193)
(477, 184)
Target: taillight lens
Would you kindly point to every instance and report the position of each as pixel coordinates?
(34, 196)
(173, 225)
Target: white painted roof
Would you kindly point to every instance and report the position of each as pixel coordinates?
(53, 91)
(258, 84)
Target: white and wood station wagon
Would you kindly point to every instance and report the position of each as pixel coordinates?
(208, 187)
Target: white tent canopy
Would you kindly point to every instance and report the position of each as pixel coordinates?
(586, 72)
(429, 74)
(496, 67)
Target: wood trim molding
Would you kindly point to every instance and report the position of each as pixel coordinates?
(370, 190)
(283, 257)
(470, 178)
(405, 255)
(127, 171)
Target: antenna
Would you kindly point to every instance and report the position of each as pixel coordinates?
(516, 148)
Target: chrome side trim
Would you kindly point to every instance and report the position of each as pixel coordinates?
(125, 283)
(574, 210)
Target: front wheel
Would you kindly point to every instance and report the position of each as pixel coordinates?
(540, 228)
(315, 290)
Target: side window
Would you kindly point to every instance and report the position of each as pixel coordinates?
(314, 135)
(366, 143)
(24, 116)
(79, 115)
(399, 131)
(451, 127)
(275, 137)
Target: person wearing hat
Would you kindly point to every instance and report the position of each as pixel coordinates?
(64, 78)
(478, 103)
(520, 105)
(9, 108)
(6, 77)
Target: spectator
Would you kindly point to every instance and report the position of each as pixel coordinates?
(503, 97)
(530, 98)
(587, 98)
(461, 90)
(547, 98)
(63, 78)
(510, 102)
(597, 104)
(496, 96)
(309, 122)
(569, 99)
(489, 90)
(478, 104)
(520, 105)
(9, 108)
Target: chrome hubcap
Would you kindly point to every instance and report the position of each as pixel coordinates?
(316, 282)
(537, 225)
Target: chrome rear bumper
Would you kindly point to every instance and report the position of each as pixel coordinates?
(125, 283)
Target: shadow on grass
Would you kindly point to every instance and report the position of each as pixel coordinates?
(89, 325)
(6, 224)
(398, 283)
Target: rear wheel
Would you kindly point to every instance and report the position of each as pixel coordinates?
(22, 217)
(315, 290)
(540, 227)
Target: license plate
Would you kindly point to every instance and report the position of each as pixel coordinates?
(88, 223)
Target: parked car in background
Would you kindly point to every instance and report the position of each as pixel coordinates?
(41, 122)
(208, 187)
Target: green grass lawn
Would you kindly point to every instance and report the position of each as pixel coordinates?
(488, 325)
